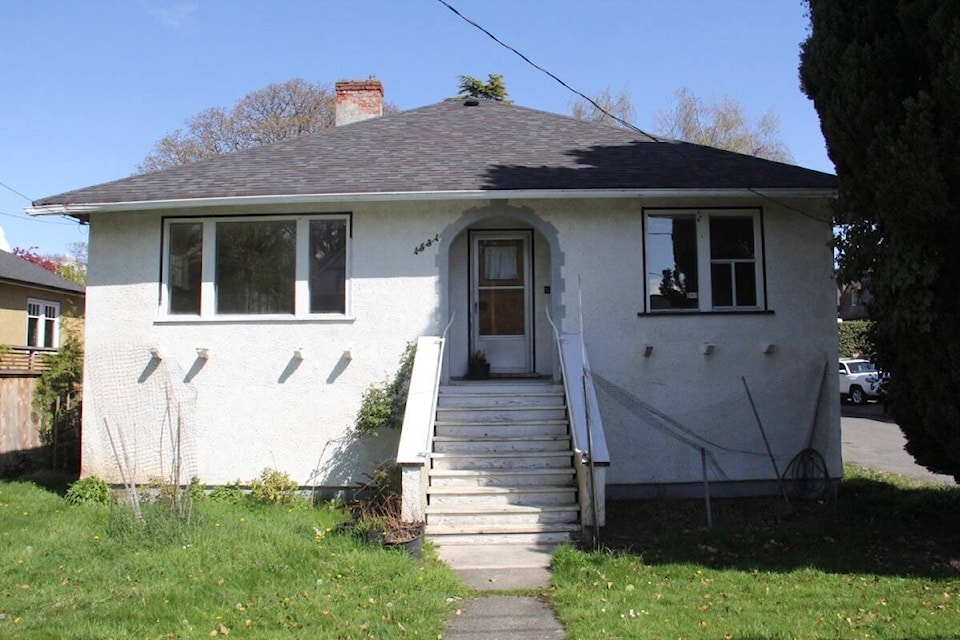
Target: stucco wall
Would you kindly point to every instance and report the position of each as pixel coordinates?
(251, 405)
(705, 394)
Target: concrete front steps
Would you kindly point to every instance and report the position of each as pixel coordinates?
(502, 466)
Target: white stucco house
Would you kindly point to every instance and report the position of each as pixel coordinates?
(250, 299)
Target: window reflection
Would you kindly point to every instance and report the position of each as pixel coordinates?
(672, 261)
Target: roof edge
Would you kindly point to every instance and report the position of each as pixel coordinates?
(81, 211)
(81, 292)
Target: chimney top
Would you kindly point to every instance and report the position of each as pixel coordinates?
(358, 100)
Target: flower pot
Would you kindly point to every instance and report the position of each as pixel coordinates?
(478, 371)
(409, 539)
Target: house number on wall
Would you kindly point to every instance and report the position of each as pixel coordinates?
(429, 243)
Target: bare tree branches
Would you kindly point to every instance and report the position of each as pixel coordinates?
(614, 109)
(722, 123)
(276, 112)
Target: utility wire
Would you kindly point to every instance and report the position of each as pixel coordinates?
(11, 189)
(566, 86)
(617, 119)
(31, 219)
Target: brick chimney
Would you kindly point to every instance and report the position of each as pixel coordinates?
(358, 100)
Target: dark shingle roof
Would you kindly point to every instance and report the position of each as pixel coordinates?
(450, 146)
(20, 271)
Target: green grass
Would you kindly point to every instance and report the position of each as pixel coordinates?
(249, 570)
(882, 562)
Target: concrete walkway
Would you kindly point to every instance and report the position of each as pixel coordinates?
(504, 618)
(502, 568)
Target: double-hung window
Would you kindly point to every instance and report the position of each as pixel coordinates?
(703, 260)
(277, 266)
(43, 324)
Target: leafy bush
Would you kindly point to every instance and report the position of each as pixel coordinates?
(232, 493)
(853, 339)
(90, 490)
(382, 405)
(56, 384)
(273, 487)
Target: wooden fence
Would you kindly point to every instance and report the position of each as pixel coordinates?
(20, 442)
(29, 360)
(19, 427)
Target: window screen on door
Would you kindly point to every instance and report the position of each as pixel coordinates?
(501, 287)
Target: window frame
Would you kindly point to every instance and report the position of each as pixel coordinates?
(42, 319)
(705, 261)
(208, 288)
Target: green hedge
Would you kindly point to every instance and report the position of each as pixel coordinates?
(853, 339)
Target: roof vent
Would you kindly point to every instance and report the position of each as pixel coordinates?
(471, 102)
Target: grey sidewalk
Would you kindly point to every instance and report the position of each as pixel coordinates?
(500, 617)
(504, 618)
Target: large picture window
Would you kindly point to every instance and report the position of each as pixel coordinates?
(277, 266)
(703, 260)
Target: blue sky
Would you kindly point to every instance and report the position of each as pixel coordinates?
(86, 88)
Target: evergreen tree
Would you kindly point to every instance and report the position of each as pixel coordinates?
(493, 89)
(884, 75)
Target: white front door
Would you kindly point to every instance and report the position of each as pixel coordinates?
(500, 277)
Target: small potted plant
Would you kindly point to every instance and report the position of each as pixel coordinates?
(478, 368)
(377, 511)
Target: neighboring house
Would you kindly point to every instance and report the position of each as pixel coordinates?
(33, 303)
(250, 299)
(37, 308)
(853, 300)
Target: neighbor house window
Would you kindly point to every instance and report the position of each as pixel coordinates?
(43, 326)
(276, 266)
(703, 260)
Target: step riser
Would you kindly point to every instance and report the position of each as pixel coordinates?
(559, 479)
(473, 431)
(479, 464)
(474, 416)
(494, 446)
(540, 499)
(500, 538)
(490, 400)
(500, 414)
(503, 389)
(515, 519)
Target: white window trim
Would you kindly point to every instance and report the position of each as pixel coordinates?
(704, 275)
(208, 272)
(42, 324)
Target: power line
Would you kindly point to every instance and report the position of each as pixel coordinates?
(12, 190)
(31, 219)
(617, 119)
(566, 86)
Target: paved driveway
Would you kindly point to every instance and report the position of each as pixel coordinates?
(870, 439)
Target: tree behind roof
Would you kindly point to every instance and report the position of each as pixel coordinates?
(493, 89)
(278, 111)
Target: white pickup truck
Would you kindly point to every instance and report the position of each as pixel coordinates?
(859, 380)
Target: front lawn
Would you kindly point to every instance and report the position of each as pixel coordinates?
(247, 570)
(883, 562)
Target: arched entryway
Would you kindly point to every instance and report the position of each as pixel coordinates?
(500, 282)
